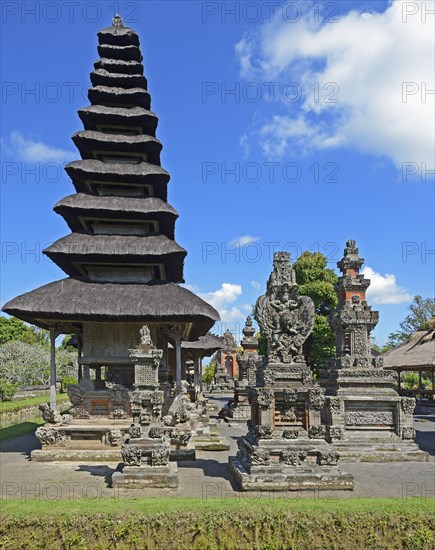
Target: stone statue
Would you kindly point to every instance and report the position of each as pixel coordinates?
(284, 317)
(145, 336)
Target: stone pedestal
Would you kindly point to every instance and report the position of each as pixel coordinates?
(144, 477)
(286, 447)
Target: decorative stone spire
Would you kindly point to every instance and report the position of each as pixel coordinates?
(229, 341)
(117, 21)
(354, 320)
(249, 360)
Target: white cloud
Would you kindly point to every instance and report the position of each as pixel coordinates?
(244, 144)
(226, 294)
(223, 298)
(29, 150)
(363, 60)
(244, 241)
(384, 288)
(256, 285)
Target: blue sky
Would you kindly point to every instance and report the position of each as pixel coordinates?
(295, 126)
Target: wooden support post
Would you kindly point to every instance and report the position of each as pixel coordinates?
(52, 368)
(200, 374)
(399, 379)
(177, 338)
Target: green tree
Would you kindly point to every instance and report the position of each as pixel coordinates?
(317, 281)
(208, 373)
(421, 311)
(13, 329)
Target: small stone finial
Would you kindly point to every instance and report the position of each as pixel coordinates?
(117, 21)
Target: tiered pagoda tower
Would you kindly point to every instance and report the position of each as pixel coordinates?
(365, 417)
(123, 264)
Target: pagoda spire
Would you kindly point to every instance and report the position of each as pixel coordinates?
(354, 319)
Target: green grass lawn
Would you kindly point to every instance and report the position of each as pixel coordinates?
(173, 505)
(16, 406)
(30, 423)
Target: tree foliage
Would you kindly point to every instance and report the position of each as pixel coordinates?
(13, 329)
(421, 311)
(25, 364)
(208, 373)
(317, 281)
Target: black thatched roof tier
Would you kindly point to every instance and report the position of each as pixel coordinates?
(81, 171)
(118, 36)
(95, 116)
(80, 205)
(120, 249)
(102, 77)
(89, 142)
(75, 301)
(119, 66)
(104, 95)
(126, 53)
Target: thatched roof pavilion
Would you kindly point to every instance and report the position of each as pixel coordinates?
(416, 355)
(123, 263)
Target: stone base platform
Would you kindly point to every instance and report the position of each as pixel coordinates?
(210, 439)
(140, 477)
(68, 454)
(365, 449)
(288, 478)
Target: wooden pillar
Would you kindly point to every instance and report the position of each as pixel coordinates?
(52, 367)
(97, 373)
(399, 379)
(200, 374)
(420, 382)
(178, 361)
(79, 354)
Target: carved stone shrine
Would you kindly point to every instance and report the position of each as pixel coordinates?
(285, 448)
(365, 417)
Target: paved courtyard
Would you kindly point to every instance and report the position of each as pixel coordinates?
(207, 477)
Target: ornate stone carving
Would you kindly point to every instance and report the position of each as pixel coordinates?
(135, 431)
(118, 414)
(79, 412)
(289, 415)
(145, 336)
(316, 398)
(369, 418)
(50, 415)
(408, 405)
(75, 394)
(260, 457)
(284, 317)
(317, 432)
(335, 405)
(156, 432)
(264, 432)
(268, 377)
(328, 458)
(160, 455)
(131, 455)
(114, 437)
(408, 432)
(51, 436)
(293, 458)
(290, 396)
(335, 432)
(290, 434)
(229, 342)
(264, 397)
